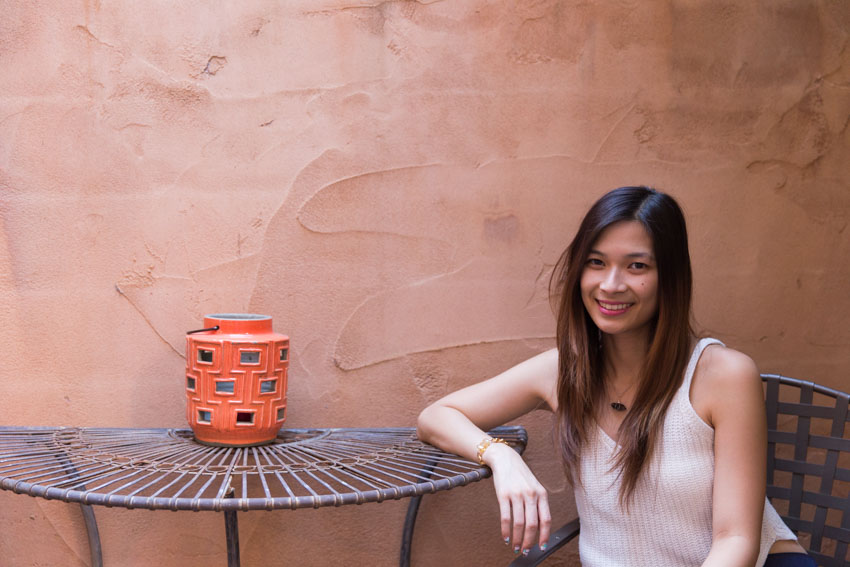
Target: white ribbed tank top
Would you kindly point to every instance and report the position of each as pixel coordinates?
(669, 521)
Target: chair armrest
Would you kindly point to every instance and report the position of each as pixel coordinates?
(566, 533)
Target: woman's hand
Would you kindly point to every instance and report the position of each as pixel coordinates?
(523, 502)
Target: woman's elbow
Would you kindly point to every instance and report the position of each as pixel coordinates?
(424, 422)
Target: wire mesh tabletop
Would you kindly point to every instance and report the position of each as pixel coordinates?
(167, 469)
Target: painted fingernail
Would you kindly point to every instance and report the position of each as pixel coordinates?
(507, 541)
(525, 552)
(543, 546)
(516, 549)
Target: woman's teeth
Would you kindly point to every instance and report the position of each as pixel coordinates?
(614, 306)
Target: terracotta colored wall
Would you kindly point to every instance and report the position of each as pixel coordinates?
(392, 182)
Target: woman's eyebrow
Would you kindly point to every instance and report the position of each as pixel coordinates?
(639, 255)
(629, 255)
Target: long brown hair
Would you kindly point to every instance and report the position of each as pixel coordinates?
(580, 354)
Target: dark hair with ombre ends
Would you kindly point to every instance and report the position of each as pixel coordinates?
(580, 355)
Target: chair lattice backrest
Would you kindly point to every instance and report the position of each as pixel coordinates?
(808, 464)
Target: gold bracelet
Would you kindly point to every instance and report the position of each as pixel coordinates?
(485, 443)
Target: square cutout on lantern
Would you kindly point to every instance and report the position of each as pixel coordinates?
(249, 357)
(225, 386)
(190, 383)
(284, 352)
(204, 416)
(268, 386)
(281, 413)
(205, 355)
(245, 418)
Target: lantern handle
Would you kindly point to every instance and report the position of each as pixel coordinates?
(216, 328)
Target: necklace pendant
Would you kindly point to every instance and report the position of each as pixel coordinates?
(617, 406)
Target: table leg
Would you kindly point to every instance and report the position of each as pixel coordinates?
(407, 532)
(95, 550)
(231, 530)
(410, 518)
(93, 535)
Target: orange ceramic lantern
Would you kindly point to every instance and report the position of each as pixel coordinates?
(236, 380)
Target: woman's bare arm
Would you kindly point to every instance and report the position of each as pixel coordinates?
(457, 423)
(729, 394)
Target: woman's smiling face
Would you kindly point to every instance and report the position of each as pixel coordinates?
(619, 282)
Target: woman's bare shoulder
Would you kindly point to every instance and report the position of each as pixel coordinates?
(722, 375)
(726, 366)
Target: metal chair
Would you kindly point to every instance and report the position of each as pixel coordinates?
(808, 470)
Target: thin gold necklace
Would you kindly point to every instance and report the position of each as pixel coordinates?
(618, 405)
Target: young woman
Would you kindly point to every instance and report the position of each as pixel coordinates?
(662, 435)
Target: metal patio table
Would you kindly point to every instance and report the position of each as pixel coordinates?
(165, 469)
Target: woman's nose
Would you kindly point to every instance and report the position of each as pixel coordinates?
(613, 282)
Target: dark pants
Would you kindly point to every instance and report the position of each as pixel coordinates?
(789, 560)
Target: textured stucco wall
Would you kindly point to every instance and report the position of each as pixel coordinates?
(392, 182)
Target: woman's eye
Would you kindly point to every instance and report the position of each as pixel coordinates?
(594, 262)
(639, 266)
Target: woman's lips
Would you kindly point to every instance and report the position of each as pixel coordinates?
(611, 308)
